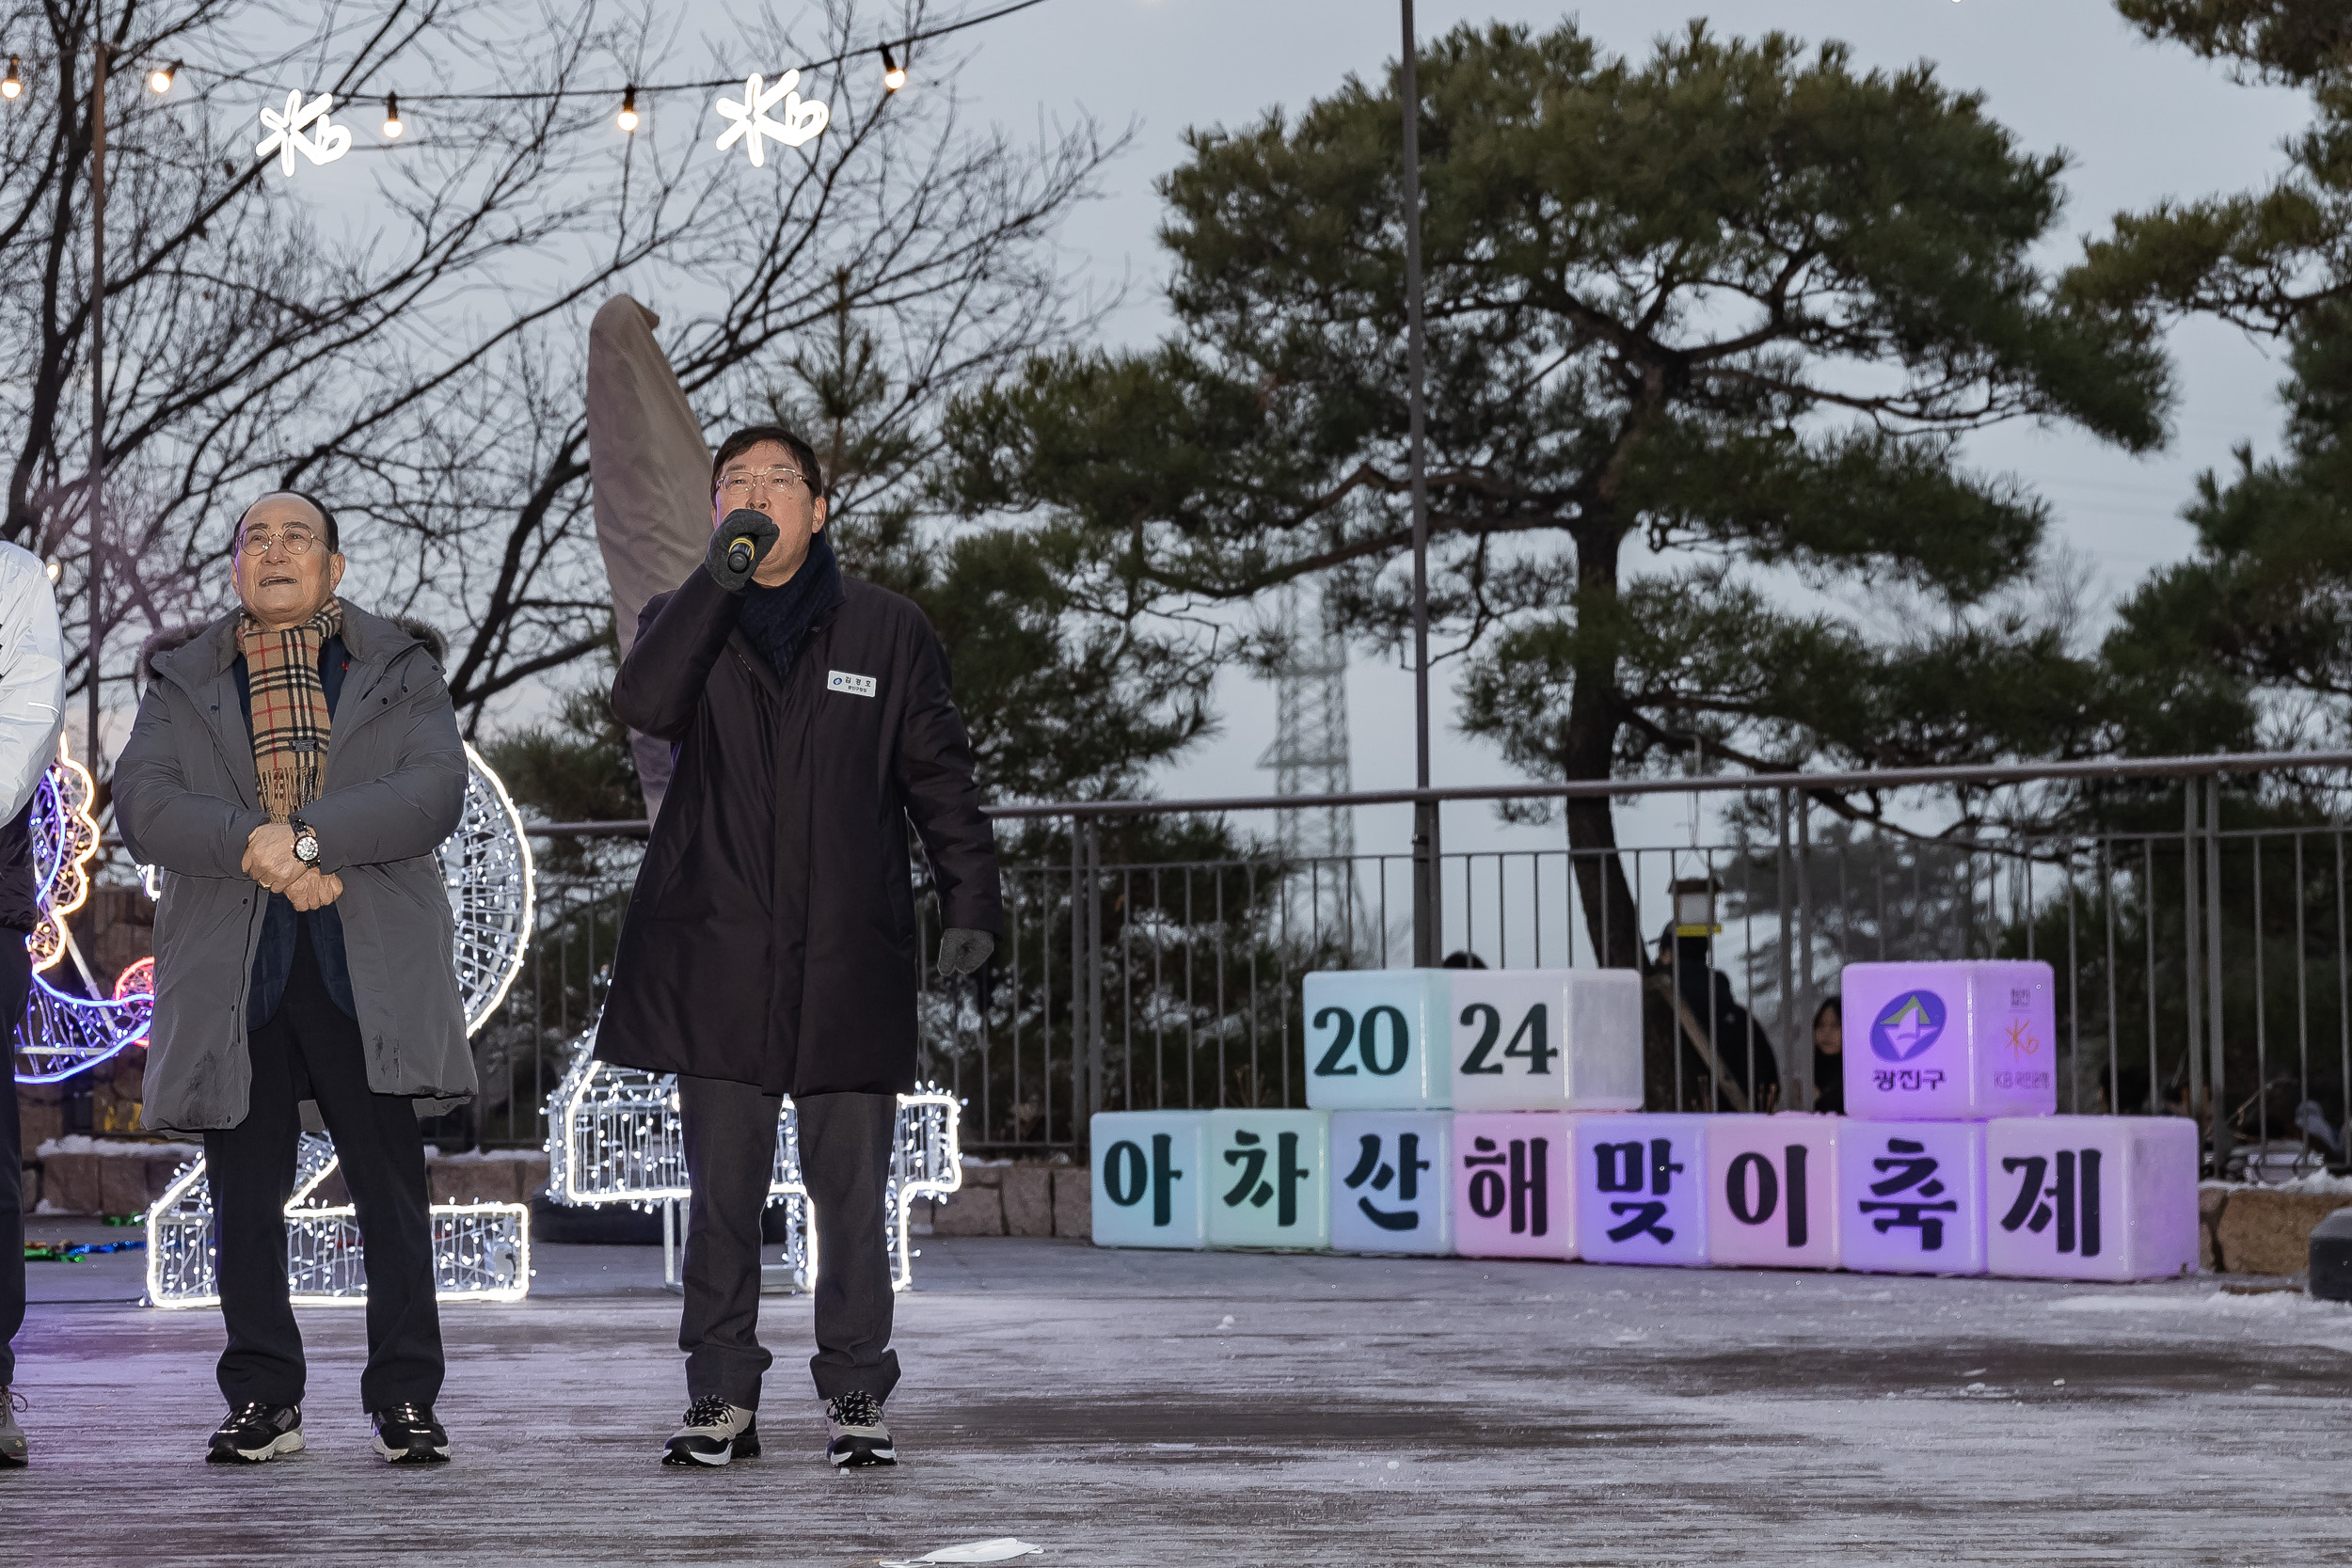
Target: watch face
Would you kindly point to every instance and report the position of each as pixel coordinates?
(306, 847)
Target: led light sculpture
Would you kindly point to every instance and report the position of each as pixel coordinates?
(613, 1137)
(287, 127)
(486, 863)
(61, 1033)
(481, 1251)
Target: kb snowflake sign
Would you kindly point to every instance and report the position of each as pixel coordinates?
(287, 128)
(804, 119)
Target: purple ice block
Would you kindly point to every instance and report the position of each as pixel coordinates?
(2091, 1197)
(1911, 1196)
(1950, 1041)
(1772, 1191)
(1641, 1188)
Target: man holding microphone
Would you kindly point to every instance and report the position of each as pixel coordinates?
(770, 945)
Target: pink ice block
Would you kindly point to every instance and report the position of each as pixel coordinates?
(1512, 1192)
(2091, 1197)
(1911, 1196)
(1950, 1041)
(1641, 1188)
(1772, 1191)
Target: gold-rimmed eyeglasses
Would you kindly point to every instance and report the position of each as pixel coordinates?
(298, 540)
(737, 486)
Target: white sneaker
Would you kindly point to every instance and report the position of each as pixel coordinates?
(859, 1438)
(715, 1432)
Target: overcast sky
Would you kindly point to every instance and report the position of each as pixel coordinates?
(2139, 121)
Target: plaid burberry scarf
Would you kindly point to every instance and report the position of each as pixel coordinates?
(290, 716)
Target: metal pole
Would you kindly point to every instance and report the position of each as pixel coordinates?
(2221, 1139)
(1785, 867)
(91, 755)
(2194, 1072)
(1427, 905)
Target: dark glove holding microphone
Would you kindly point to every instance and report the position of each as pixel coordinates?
(743, 541)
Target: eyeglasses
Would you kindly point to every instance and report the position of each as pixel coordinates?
(738, 486)
(298, 540)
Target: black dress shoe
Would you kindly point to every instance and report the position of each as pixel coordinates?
(408, 1434)
(256, 1433)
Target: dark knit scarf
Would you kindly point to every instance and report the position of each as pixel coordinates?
(290, 714)
(778, 619)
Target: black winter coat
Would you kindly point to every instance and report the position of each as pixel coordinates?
(771, 938)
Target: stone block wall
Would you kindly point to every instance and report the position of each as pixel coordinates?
(76, 1174)
(1013, 1200)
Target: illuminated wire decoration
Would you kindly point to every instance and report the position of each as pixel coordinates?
(613, 1137)
(804, 119)
(486, 864)
(65, 840)
(286, 129)
(61, 1033)
(481, 1251)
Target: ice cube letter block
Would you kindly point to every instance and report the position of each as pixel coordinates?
(1641, 1189)
(1964, 1042)
(2090, 1198)
(1512, 1192)
(1911, 1196)
(1772, 1192)
(1266, 1178)
(1547, 1039)
(1368, 1039)
(1150, 1179)
(1388, 1174)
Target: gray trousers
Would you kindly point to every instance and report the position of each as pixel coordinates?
(846, 1139)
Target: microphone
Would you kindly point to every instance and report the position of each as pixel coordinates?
(739, 551)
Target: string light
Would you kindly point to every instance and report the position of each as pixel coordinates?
(627, 118)
(159, 79)
(391, 117)
(894, 74)
(12, 85)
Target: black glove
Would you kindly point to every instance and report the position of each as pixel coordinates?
(963, 952)
(741, 543)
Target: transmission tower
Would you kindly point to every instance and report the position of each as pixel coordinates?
(1310, 757)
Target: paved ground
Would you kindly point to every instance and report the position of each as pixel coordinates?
(1220, 1409)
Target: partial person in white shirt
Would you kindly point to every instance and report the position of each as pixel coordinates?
(32, 711)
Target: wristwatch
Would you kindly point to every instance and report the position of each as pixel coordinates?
(306, 843)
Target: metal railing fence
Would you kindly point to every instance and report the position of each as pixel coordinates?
(1154, 950)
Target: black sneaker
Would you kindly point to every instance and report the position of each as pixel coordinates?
(256, 1433)
(408, 1434)
(859, 1436)
(715, 1432)
(15, 1453)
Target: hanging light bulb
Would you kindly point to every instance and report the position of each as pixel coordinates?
(392, 127)
(894, 74)
(159, 79)
(12, 85)
(627, 118)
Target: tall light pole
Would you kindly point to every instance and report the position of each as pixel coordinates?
(92, 758)
(1428, 909)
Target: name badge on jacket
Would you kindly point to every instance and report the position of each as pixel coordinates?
(856, 686)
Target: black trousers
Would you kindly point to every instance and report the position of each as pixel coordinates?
(16, 981)
(310, 1049)
(845, 1161)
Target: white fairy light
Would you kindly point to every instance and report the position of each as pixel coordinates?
(804, 119)
(286, 128)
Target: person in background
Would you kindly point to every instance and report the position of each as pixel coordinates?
(770, 944)
(32, 698)
(1829, 1057)
(1711, 1011)
(1462, 958)
(294, 770)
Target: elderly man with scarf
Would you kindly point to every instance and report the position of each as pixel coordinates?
(769, 947)
(294, 769)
